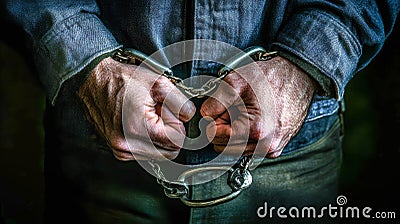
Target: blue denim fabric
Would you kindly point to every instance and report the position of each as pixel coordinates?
(307, 177)
(86, 184)
(336, 37)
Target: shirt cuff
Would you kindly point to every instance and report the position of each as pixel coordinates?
(69, 47)
(325, 44)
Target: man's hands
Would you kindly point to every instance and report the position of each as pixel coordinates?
(254, 92)
(259, 108)
(145, 129)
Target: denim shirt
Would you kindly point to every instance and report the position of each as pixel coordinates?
(331, 40)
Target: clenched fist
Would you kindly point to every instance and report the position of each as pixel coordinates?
(260, 107)
(151, 124)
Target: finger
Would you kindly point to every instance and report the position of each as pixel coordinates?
(232, 89)
(120, 147)
(219, 131)
(138, 149)
(175, 130)
(278, 143)
(146, 120)
(163, 91)
(218, 102)
(169, 118)
(123, 156)
(143, 149)
(166, 131)
(245, 149)
(260, 148)
(232, 126)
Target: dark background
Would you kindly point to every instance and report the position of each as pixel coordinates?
(371, 151)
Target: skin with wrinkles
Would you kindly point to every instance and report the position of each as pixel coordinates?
(103, 93)
(292, 90)
(237, 109)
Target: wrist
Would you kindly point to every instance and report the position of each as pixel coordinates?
(323, 84)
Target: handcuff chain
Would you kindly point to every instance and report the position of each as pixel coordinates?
(171, 189)
(132, 56)
(238, 178)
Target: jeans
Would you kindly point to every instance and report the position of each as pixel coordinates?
(303, 178)
(85, 183)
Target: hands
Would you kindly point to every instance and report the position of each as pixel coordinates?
(256, 118)
(103, 97)
(249, 100)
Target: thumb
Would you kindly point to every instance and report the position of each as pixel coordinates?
(163, 91)
(224, 97)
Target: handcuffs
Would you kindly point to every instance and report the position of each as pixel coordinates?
(239, 176)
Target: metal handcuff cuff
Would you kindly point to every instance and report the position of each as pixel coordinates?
(239, 176)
